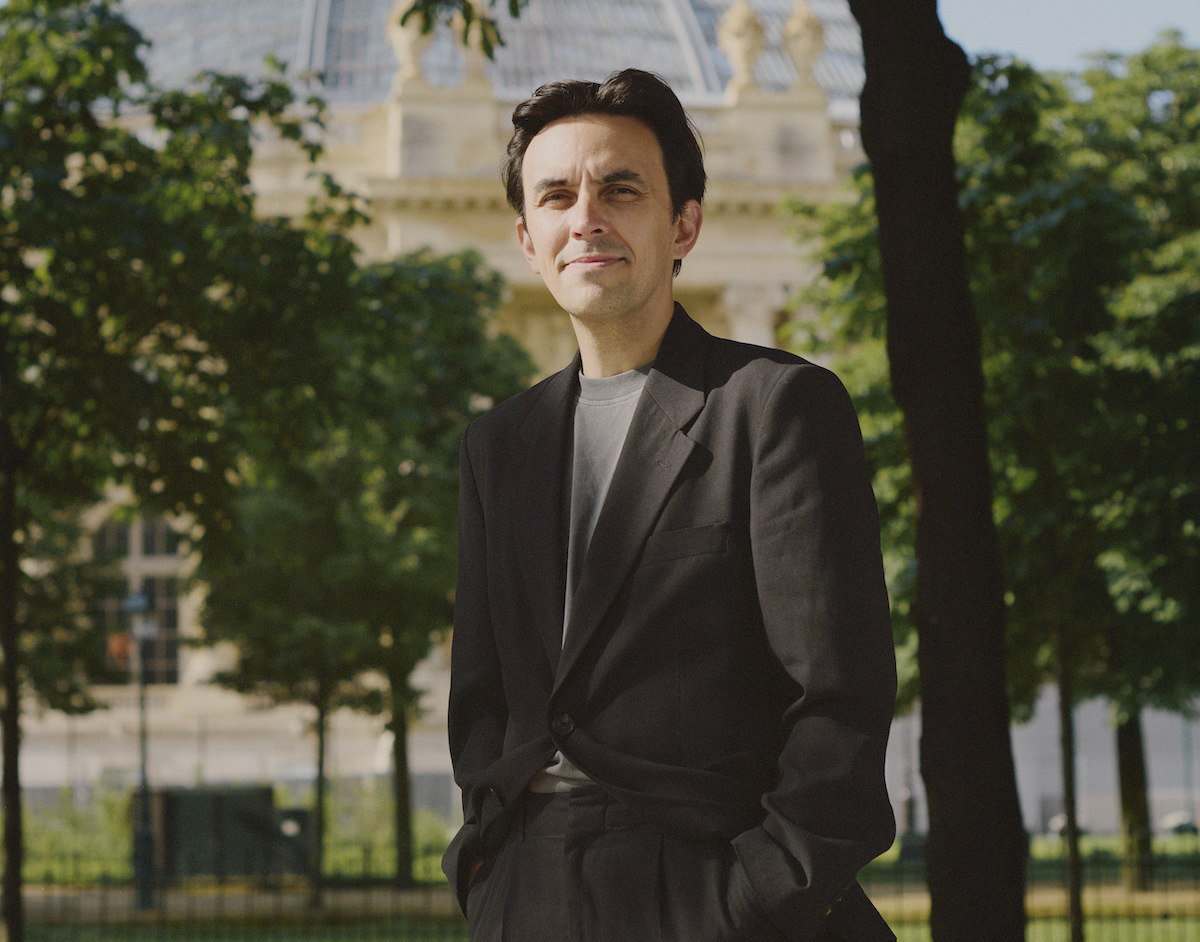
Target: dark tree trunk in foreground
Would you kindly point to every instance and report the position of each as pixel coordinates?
(1137, 858)
(10, 712)
(316, 883)
(977, 846)
(1066, 727)
(401, 796)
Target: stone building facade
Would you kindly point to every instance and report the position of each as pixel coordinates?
(417, 125)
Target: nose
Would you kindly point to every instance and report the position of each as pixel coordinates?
(588, 219)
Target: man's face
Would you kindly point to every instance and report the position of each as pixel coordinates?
(598, 224)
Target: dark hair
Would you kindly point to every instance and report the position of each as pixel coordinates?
(631, 93)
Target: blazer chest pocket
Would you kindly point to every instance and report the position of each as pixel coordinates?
(692, 541)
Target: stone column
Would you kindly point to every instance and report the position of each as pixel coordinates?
(751, 310)
(409, 43)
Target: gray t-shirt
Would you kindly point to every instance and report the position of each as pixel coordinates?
(603, 413)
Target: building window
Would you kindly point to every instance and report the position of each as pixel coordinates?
(159, 537)
(139, 550)
(108, 613)
(111, 540)
(160, 654)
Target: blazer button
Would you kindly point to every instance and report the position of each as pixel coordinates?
(563, 724)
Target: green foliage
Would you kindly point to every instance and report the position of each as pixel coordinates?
(850, 326)
(150, 325)
(431, 12)
(148, 322)
(301, 410)
(338, 571)
(361, 845)
(64, 644)
(431, 837)
(341, 564)
(85, 839)
(80, 840)
(1079, 198)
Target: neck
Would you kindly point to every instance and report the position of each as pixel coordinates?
(607, 348)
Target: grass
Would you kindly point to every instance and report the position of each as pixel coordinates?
(1185, 929)
(1095, 930)
(390, 930)
(1103, 847)
(73, 844)
(89, 842)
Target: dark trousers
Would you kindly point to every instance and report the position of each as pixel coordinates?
(580, 867)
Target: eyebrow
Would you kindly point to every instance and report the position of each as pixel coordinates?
(617, 176)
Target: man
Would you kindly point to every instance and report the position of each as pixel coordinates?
(672, 676)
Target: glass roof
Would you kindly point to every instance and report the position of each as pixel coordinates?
(345, 41)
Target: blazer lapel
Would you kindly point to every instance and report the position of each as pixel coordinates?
(538, 507)
(655, 451)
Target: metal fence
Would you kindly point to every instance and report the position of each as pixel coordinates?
(370, 910)
(1166, 909)
(245, 912)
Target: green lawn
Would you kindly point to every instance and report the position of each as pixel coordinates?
(1183, 929)
(391, 930)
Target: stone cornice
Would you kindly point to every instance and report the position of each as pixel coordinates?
(727, 198)
(724, 198)
(437, 195)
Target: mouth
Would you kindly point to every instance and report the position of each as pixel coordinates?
(593, 262)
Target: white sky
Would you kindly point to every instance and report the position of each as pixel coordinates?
(1055, 34)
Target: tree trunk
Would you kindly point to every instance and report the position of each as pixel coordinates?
(1137, 857)
(977, 846)
(1066, 726)
(316, 885)
(402, 797)
(10, 713)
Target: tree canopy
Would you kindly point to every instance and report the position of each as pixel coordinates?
(339, 570)
(154, 331)
(1079, 196)
(142, 302)
(141, 310)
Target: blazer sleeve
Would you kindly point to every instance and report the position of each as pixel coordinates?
(478, 711)
(819, 573)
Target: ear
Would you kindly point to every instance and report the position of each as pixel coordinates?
(527, 245)
(687, 228)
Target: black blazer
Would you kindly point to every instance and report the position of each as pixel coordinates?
(728, 669)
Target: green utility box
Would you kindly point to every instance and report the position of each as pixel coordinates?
(225, 832)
